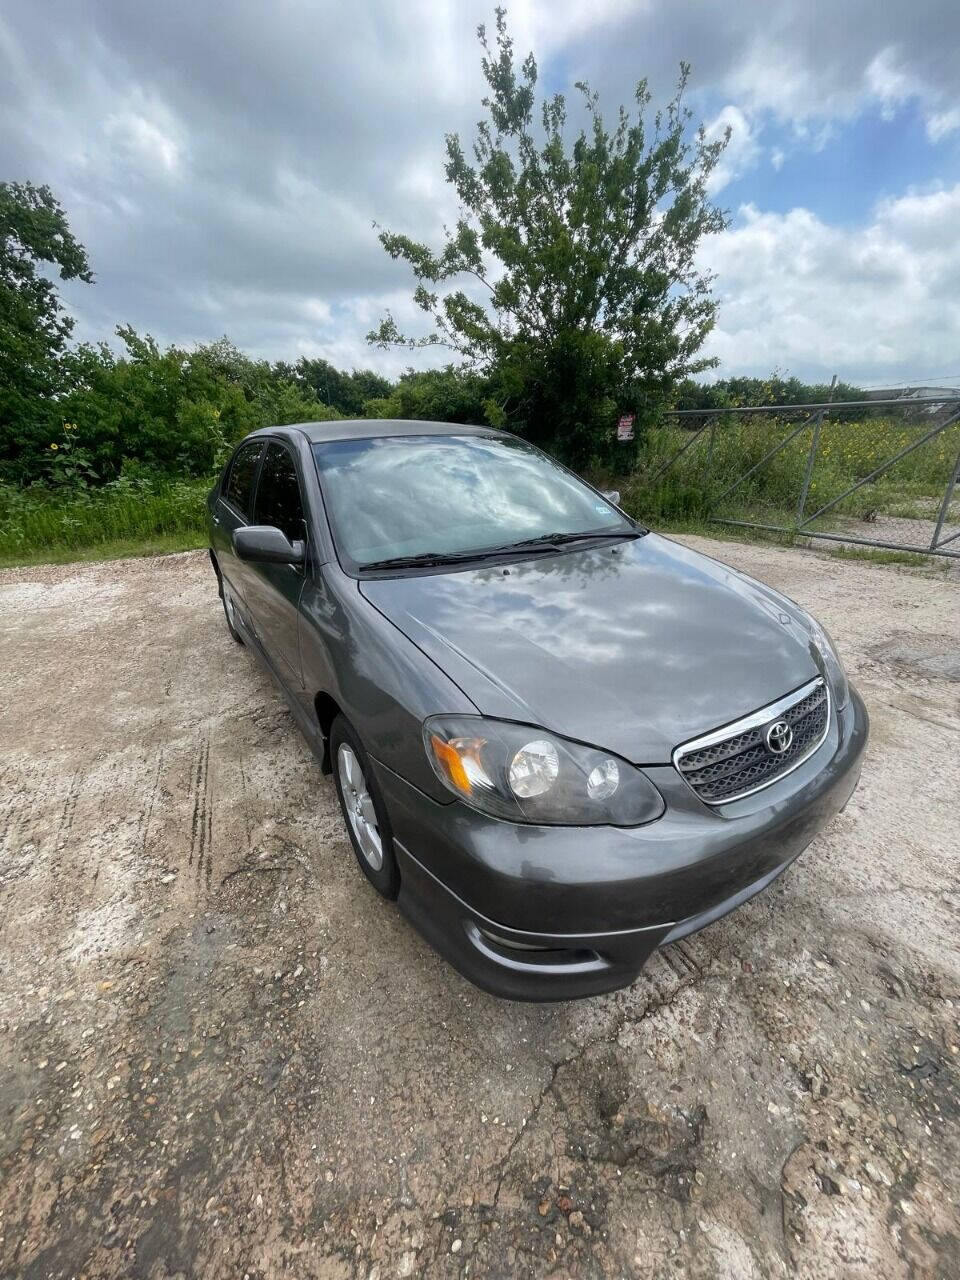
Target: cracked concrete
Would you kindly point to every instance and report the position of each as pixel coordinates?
(222, 1055)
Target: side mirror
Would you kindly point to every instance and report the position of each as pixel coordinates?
(268, 545)
(612, 495)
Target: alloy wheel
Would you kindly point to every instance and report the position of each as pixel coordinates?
(358, 805)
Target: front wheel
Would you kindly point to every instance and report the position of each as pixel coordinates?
(229, 613)
(363, 809)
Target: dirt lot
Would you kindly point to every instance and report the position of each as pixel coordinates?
(222, 1055)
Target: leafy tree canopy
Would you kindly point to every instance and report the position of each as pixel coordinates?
(150, 411)
(435, 395)
(776, 389)
(582, 288)
(345, 392)
(34, 327)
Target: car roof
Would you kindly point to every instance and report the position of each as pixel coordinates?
(374, 428)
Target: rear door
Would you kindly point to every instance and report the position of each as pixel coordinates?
(274, 590)
(231, 512)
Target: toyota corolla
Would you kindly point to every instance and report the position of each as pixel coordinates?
(558, 740)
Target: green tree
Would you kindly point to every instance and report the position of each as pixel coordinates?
(583, 288)
(173, 411)
(345, 392)
(741, 391)
(434, 395)
(34, 327)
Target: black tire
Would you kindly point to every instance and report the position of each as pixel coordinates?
(226, 613)
(385, 878)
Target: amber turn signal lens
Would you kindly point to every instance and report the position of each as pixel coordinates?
(449, 760)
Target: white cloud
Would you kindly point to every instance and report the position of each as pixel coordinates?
(889, 83)
(742, 151)
(143, 142)
(943, 122)
(865, 302)
(894, 83)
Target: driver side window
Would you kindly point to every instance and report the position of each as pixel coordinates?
(242, 473)
(278, 501)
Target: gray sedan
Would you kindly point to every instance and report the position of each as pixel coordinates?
(558, 740)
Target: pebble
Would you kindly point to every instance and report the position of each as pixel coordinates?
(456, 1246)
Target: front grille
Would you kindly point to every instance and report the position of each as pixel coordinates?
(735, 761)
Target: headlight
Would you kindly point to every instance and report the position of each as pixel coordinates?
(829, 662)
(523, 774)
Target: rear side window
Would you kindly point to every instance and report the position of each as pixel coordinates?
(278, 493)
(240, 479)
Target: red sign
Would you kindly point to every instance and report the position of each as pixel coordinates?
(625, 426)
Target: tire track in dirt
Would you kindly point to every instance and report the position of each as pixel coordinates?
(11, 815)
(23, 810)
(146, 818)
(201, 826)
(68, 811)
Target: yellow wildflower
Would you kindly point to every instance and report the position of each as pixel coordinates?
(54, 446)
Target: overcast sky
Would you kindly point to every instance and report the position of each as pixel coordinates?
(224, 163)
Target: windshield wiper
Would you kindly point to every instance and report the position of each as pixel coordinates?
(424, 560)
(559, 539)
(431, 559)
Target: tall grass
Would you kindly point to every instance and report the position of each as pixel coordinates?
(46, 522)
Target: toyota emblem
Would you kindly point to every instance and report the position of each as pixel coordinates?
(779, 737)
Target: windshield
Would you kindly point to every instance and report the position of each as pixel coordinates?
(412, 495)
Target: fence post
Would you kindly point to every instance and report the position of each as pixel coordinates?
(945, 505)
(812, 455)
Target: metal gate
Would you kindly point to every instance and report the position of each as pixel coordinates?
(929, 416)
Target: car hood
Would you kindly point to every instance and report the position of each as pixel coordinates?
(634, 647)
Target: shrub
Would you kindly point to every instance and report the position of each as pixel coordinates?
(175, 411)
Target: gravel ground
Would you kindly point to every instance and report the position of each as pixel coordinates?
(222, 1055)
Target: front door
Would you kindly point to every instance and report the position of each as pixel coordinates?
(232, 511)
(274, 590)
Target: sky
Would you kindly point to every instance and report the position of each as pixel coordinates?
(225, 164)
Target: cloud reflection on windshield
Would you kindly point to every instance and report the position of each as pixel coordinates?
(405, 495)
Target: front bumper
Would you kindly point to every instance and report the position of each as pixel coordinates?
(555, 913)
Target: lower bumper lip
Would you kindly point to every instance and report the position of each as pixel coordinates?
(510, 964)
(558, 913)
